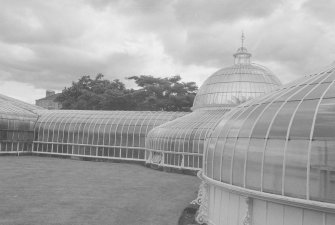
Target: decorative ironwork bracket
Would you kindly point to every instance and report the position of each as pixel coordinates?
(202, 201)
(248, 214)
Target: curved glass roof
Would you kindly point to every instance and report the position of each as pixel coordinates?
(17, 104)
(12, 109)
(232, 85)
(281, 143)
(108, 134)
(180, 142)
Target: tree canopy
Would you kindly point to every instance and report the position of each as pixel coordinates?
(154, 94)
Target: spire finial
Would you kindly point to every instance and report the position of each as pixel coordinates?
(242, 56)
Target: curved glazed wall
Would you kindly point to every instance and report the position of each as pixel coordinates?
(179, 143)
(16, 127)
(102, 134)
(278, 151)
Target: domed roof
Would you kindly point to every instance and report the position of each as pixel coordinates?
(281, 143)
(232, 85)
(180, 143)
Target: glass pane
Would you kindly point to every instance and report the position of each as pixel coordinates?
(322, 171)
(290, 92)
(281, 122)
(330, 78)
(264, 121)
(239, 161)
(217, 159)
(302, 121)
(254, 164)
(319, 78)
(325, 120)
(273, 166)
(249, 123)
(318, 91)
(331, 92)
(224, 125)
(226, 159)
(296, 168)
(302, 93)
(238, 122)
(210, 157)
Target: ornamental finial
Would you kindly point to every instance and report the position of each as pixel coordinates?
(242, 56)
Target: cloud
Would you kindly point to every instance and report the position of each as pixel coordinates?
(38, 22)
(207, 12)
(48, 44)
(21, 91)
(196, 31)
(297, 42)
(322, 9)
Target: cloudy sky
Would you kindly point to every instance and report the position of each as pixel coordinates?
(49, 44)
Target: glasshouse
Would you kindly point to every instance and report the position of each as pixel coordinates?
(266, 151)
(12, 102)
(102, 134)
(180, 143)
(271, 160)
(97, 134)
(17, 121)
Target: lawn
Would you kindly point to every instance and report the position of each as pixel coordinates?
(41, 191)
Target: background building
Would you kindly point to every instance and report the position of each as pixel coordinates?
(49, 101)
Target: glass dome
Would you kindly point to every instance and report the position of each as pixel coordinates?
(281, 143)
(232, 85)
(180, 143)
(100, 134)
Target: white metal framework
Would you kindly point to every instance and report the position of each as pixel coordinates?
(20, 105)
(100, 134)
(16, 126)
(180, 143)
(235, 84)
(279, 150)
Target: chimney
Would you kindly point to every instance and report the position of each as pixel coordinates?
(49, 93)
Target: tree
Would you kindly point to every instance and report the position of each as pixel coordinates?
(168, 94)
(154, 94)
(95, 94)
